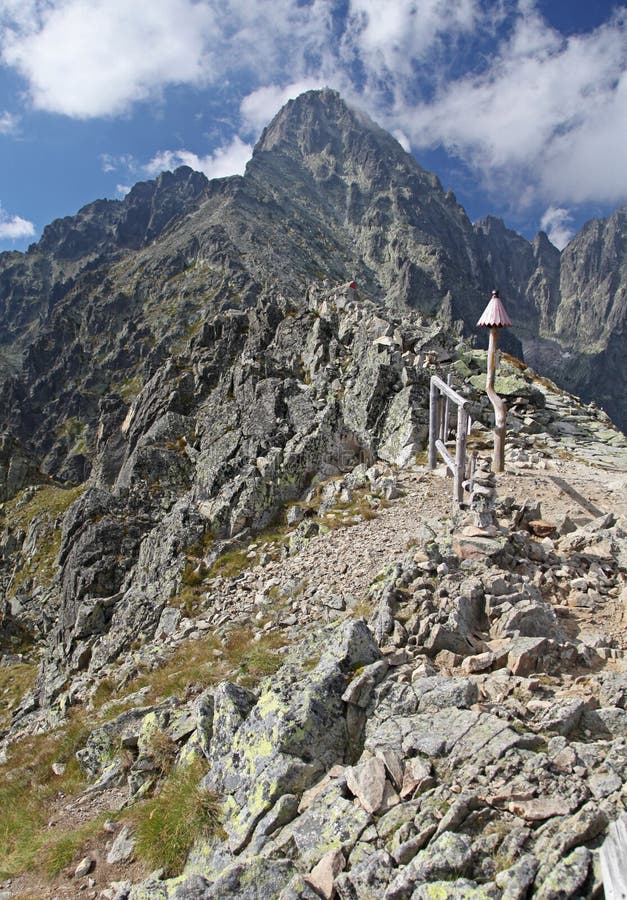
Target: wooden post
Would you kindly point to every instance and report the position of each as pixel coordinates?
(460, 454)
(500, 410)
(438, 431)
(494, 317)
(613, 858)
(433, 424)
(444, 434)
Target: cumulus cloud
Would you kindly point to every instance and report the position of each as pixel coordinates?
(557, 223)
(548, 111)
(94, 59)
(391, 41)
(97, 59)
(230, 159)
(14, 228)
(540, 117)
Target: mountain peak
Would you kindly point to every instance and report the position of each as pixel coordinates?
(320, 121)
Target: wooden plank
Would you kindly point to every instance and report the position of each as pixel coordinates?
(446, 456)
(614, 860)
(448, 391)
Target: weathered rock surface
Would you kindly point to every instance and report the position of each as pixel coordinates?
(446, 714)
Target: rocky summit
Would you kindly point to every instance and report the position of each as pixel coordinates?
(250, 647)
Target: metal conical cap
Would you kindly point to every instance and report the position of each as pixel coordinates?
(494, 313)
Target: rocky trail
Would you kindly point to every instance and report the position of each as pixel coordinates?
(248, 648)
(417, 813)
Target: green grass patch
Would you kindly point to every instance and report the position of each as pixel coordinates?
(28, 784)
(363, 609)
(195, 663)
(188, 600)
(254, 660)
(129, 388)
(46, 506)
(15, 681)
(232, 563)
(167, 825)
(191, 663)
(345, 514)
(67, 847)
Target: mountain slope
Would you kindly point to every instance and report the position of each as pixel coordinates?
(222, 559)
(106, 296)
(569, 309)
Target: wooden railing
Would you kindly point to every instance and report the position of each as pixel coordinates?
(441, 395)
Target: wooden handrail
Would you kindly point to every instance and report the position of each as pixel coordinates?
(438, 432)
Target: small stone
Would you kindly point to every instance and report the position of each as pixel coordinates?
(536, 810)
(367, 782)
(541, 528)
(335, 601)
(359, 691)
(525, 655)
(390, 798)
(563, 716)
(417, 775)
(323, 875)
(84, 867)
(481, 662)
(122, 848)
(567, 877)
(565, 760)
(602, 784)
(58, 768)
(580, 599)
(393, 764)
(408, 849)
(448, 660)
(516, 881)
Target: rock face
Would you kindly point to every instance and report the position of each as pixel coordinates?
(391, 772)
(90, 313)
(569, 309)
(195, 387)
(210, 451)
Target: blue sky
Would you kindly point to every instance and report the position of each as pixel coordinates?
(519, 106)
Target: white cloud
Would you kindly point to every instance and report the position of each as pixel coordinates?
(112, 163)
(98, 58)
(539, 117)
(259, 107)
(549, 112)
(230, 159)
(403, 140)
(94, 59)
(390, 39)
(587, 163)
(14, 227)
(8, 123)
(122, 190)
(557, 222)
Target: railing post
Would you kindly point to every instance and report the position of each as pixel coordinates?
(439, 391)
(447, 401)
(433, 424)
(460, 454)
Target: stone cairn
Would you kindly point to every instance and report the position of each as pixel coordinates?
(482, 489)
